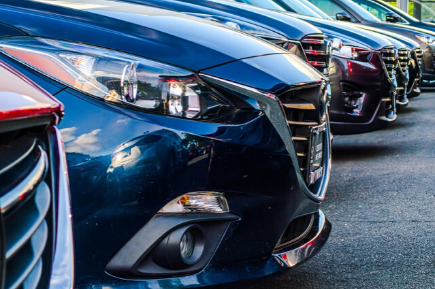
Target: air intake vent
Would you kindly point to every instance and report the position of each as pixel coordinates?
(25, 209)
(305, 109)
(317, 49)
(404, 59)
(389, 58)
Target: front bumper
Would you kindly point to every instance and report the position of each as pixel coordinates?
(373, 91)
(310, 246)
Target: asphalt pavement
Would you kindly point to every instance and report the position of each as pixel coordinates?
(381, 203)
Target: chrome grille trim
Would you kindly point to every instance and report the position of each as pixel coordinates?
(32, 255)
(389, 58)
(27, 185)
(26, 211)
(318, 52)
(404, 59)
(18, 234)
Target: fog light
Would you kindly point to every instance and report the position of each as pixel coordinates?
(197, 202)
(181, 248)
(187, 245)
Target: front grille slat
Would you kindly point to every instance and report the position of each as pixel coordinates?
(305, 108)
(32, 280)
(317, 49)
(23, 223)
(27, 185)
(307, 123)
(22, 264)
(389, 58)
(404, 59)
(26, 209)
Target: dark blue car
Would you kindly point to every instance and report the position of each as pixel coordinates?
(198, 155)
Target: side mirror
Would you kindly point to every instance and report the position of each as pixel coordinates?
(342, 16)
(392, 17)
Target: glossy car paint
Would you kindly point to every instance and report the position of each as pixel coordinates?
(369, 78)
(243, 158)
(23, 104)
(428, 69)
(364, 119)
(289, 27)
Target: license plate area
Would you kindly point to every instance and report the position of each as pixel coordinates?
(315, 154)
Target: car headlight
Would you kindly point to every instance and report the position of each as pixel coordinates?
(118, 77)
(350, 52)
(425, 39)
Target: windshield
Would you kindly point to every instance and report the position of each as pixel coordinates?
(377, 10)
(268, 4)
(314, 8)
(364, 14)
(427, 13)
(398, 11)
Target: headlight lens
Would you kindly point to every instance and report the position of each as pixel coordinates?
(119, 77)
(352, 52)
(425, 39)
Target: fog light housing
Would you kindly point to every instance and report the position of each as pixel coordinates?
(181, 248)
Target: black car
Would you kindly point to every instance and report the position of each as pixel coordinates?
(191, 161)
(347, 10)
(35, 216)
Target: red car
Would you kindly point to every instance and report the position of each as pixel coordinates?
(35, 218)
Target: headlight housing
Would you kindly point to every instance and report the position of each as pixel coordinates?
(350, 51)
(425, 39)
(118, 77)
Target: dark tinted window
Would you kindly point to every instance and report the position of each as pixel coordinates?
(330, 8)
(375, 9)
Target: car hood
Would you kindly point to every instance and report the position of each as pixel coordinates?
(157, 34)
(347, 33)
(392, 36)
(278, 22)
(405, 28)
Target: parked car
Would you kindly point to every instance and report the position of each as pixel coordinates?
(35, 224)
(125, 72)
(350, 11)
(388, 13)
(363, 99)
(409, 63)
(290, 33)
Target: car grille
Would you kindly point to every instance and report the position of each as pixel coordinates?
(26, 210)
(419, 55)
(404, 59)
(305, 108)
(294, 47)
(317, 49)
(389, 58)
